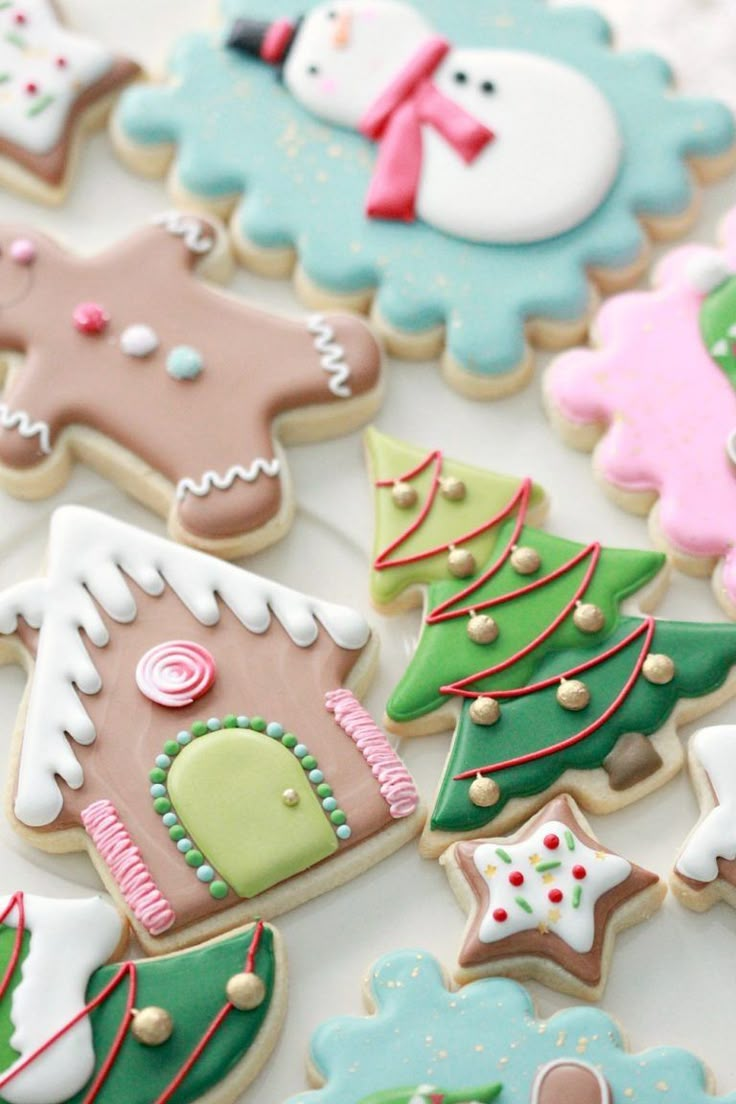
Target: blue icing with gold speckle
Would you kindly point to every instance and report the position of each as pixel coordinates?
(238, 129)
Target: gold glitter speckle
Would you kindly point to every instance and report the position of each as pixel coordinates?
(662, 1086)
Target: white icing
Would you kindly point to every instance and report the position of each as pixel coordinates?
(714, 751)
(91, 558)
(212, 479)
(138, 340)
(557, 145)
(576, 926)
(198, 236)
(566, 1063)
(720, 349)
(69, 941)
(20, 420)
(333, 356)
(26, 119)
(707, 271)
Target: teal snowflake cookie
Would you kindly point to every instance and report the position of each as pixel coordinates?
(486, 1044)
(400, 168)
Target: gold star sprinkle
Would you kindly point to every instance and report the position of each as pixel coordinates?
(554, 916)
(489, 871)
(534, 859)
(547, 878)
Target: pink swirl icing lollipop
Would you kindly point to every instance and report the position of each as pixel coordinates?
(175, 673)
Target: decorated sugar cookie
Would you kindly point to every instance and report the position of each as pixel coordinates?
(524, 649)
(55, 84)
(192, 1026)
(657, 400)
(184, 395)
(459, 168)
(196, 729)
(547, 902)
(426, 1043)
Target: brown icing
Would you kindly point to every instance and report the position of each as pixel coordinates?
(569, 1083)
(257, 368)
(632, 760)
(265, 675)
(545, 945)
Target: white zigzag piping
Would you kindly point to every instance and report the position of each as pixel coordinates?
(187, 227)
(212, 479)
(20, 420)
(333, 356)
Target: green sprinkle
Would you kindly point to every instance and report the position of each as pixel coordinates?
(309, 762)
(15, 40)
(338, 817)
(577, 894)
(324, 790)
(4, 77)
(231, 721)
(40, 105)
(503, 855)
(194, 858)
(218, 890)
(5, 4)
(157, 775)
(162, 805)
(569, 840)
(258, 724)
(199, 728)
(550, 864)
(523, 904)
(176, 832)
(171, 748)
(289, 740)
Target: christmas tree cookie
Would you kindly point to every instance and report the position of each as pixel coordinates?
(193, 1026)
(657, 403)
(56, 84)
(426, 1043)
(183, 395)
(394, 155)
(196, 730)
(547, 902)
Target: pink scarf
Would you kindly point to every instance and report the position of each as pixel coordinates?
(395, 120)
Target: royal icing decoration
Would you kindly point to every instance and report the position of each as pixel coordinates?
(146, 352)
(712, 754)
(424, 1038)
(662, 388)
(419, 164)
(530, 641)
(154, 700)
(130, 1033)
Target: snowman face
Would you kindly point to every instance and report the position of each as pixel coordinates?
(347, 52)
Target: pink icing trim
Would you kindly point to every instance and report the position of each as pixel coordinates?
(125, 863)
(176, 673)
(396, 784)
(666, 408)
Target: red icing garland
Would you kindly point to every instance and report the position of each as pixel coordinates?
(127, 971)
(646, 629)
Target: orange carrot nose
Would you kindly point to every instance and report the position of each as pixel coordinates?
(343, 27)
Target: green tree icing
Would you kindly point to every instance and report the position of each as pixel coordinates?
(483, 1095)
(8, 1055)
(717, 319)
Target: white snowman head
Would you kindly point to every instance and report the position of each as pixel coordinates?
(347, 51)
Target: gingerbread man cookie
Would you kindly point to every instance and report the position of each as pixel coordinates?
(181, 393)
(201, 738)
(54, 85)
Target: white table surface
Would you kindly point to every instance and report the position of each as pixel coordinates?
(672, 978)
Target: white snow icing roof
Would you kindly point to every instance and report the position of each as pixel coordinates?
(90, 555)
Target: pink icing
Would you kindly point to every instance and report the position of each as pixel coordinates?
(176, 673)
(396, 784)
(124, 861)
(667, 408)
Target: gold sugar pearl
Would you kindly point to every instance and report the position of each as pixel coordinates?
(245, 991)
(588, 618)
(461, 563)
(404, 495)
(290, 797)
(485, 711)
(151, 1026)
(659, 669)
(573, 694)
(484, 792)
(452, 488)
(525, 560)
(482, 629)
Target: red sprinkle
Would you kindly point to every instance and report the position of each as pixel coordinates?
(90, 318)
(579, 872)
(31, 88)
(20, 18)
(516, 878)
(555, 896)
(551, 842)
(61, 62)
(500, 915)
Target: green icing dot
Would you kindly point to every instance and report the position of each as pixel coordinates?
(176, 833)
(162, 805)
(194, 858)
(324, 790)
(309, 762)
(338, 817)
(231, 721)
(218, 890)
(157, 775)
(289, 740)
(199, 728)
(258, 724)
(171, 748)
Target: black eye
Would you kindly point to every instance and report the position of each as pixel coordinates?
(488, 87)
(461, 78)
(332, 14)
(313, 70)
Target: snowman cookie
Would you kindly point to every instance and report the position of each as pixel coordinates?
(77, 1028)
(462, 170)
(548, 902)
(656, 401)
(427, 1043)
(196, 730)
(183, 395)
(55, 84)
